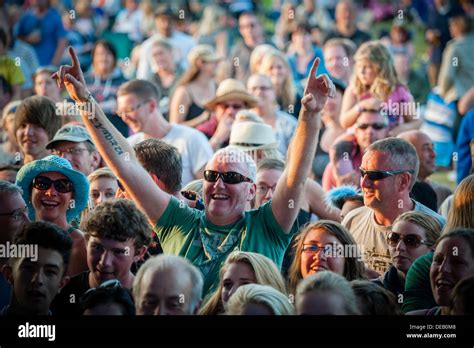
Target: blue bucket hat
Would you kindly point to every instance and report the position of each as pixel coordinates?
(61, 165)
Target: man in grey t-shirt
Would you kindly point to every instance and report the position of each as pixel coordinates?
(388, 172)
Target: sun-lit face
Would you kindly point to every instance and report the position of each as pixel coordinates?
(237, 274)
(102, 189)
(313, 262)
(261, 88)
(366, 71)
(51, 205)
(78, 155)
(32, 139)
(371, 121)
(226, 202)
(46, 86)
(277, 71)
(452, 261)
(134, 111)
(337, 62)
(110, 259)
(162, 58)
(103, 60)
(267, 180)
(403, 255)
(378, 193)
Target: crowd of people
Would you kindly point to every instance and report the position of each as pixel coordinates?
(234, 158)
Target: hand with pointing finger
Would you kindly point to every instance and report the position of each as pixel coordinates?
(317, 90)
(72, 78)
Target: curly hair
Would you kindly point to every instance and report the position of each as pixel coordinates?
(118, 219)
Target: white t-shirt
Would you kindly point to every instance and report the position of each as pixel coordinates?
(285, 127)
(372, 237)
(192, 145)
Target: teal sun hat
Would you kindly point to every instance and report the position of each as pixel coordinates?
(61, 165)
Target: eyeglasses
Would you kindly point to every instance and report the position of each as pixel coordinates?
(410, 240)
(313, 249)
(74, 151)
(110, 284)
(376, 126)
(61, 185)
(17, 214)
(264, 188)
(123, 114)
(227, 177)
(375, 175)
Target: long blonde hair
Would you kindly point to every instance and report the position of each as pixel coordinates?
(287, 91)
(266, 273)
(461, 213)
(386, 80)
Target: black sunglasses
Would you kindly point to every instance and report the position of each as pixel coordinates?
(410, 240)
(227, 177)
(375, 175)
(43, 183)
(376, 126)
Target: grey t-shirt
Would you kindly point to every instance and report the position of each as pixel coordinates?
(372, 237)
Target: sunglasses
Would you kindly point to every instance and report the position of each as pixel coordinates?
(375, 175)
(410, 240)
(43, 183)
(227, 177)
(376, 126)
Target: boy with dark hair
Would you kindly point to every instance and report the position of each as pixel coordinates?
(117, 236)
(38, 271)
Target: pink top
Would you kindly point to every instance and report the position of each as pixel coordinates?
(399, 103)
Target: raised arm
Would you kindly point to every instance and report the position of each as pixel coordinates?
(288, 196)
(113, 147)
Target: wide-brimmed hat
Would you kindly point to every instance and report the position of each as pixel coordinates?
(52, 163)
(204, 52)
(250, 134)
(231, 89)
(74, 133)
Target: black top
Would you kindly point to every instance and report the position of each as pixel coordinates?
(66, 303)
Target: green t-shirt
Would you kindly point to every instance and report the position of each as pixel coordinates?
(186, 232)
(418, 294)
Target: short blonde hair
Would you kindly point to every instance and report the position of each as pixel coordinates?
(266, 273)
(330, 282)
(104, 172)
(277, 302)
(431, 226)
